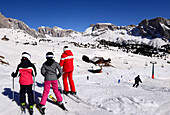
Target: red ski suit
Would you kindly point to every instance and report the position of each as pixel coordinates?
(66, 62)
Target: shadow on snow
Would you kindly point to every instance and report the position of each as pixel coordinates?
(9, 93)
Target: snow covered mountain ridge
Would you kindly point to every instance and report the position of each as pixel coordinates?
(157, 27)
(55, 31)
(154, 32)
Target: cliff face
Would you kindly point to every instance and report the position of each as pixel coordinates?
(16, 24)
(42, 31)
(55, 31)
(4, 23)
(157, 27)
(111, 26)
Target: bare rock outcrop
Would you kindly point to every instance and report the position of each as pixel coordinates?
(55, 31)
(111, 26)
(4, 22)
(17, 24)
(157, 27)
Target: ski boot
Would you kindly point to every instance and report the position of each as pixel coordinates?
(41, 109)
(23, 107)
(65, 92)
(31, 110)
(73, 93)
(60, 104)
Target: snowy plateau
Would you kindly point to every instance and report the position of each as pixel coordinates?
(101, 94)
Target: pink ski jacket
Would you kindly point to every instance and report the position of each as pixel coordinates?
(26, 71)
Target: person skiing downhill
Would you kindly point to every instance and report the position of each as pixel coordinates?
(49, 71)
(66, 62)
(26, 71)
(137, 80)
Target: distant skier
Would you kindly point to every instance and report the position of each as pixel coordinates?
(26, 71)
(120, 79)
(49, 71)
(137, 80)
(66, 62)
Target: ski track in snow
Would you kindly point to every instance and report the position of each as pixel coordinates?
(163, 109)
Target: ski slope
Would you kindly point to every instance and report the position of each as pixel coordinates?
(101, 94)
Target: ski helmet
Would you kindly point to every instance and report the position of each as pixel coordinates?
(26, 55)
(65, 48)
(49, 55)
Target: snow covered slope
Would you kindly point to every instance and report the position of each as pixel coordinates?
(101, 94)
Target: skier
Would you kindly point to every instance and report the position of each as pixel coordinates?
(26, 71)
(49, 71)
(137, 80)
(66, 62)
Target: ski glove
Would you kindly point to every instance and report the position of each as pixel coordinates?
(58, 76)
(13, 74)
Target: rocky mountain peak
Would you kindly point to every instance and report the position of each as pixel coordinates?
(4, 22)
(55, 31)
(111, 26)
(17, 24)
(157, 27)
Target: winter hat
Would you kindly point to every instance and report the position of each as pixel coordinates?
(49, 55)
(65, 48)
(26, 55)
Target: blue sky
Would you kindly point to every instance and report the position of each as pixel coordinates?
(79, 14)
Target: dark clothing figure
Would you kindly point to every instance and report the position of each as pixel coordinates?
(23, 90)
(137, 80)
(26, 71)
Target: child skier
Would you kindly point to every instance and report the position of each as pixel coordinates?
(137, 80)
(49, 71)
(66, 62)
(26, 71)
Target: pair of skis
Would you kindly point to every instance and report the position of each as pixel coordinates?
(57, 103)
(42, 110)
(74, 98)
(23, 111)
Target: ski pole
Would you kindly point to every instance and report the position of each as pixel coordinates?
(62, 91)
(34, 88)
(13, 89)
